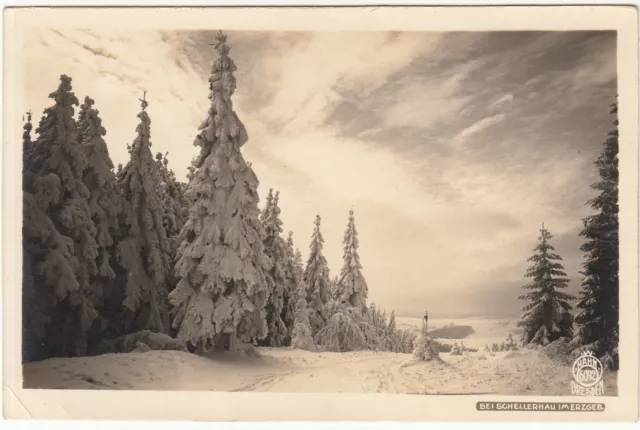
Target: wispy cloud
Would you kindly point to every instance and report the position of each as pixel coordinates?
(481, 125)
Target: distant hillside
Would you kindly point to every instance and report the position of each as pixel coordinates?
(453, 332)
(481, 327)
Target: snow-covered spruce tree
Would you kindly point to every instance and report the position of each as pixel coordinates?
(58, 235)
(176, 210)
(352, 287)
(408, 339)
(27, 144)
(344, 331)
(105, 204)
(316, 279)
(145, 251)
(425, 348)
(222, 267)
(48, 277)
(294, 271)
(373, 314)
(301, 334)
(348, 326)
(175, 205)
(298, 262)
(334, 289)
(392, 333)
(598, 304)
(279, 279)
(381, 329)
(546, 317)
(379, 324)
(264, 214)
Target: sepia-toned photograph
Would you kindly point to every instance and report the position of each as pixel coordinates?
(340, 211)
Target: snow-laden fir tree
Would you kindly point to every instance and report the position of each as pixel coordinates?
(378, 322)
(275, 247)
(266, 211)
(348, 327)
(344, 331)
(301, 334)
(334, 289)
(297, 259)
(175, 205)
(381, 329)
(294, 271)
(598, 304)
(105, 204)
(59, 243)
(547, 316)
(176, 209)
(48, 276)
(27, 144)
(316, 279)
(373, 314)
(352, 287)
(425, 348)
(408, 338)
(392, 333)
(145, 251)
(222, 266)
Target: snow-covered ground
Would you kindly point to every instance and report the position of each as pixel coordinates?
(285, 370)
(524, 372)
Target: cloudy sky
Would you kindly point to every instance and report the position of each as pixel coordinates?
(452, 148)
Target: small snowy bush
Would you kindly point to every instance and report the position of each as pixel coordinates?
(511, 344)
(456, 349)
(559, 350)
(426, 348)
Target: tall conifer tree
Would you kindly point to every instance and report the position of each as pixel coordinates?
(352, 287)
(316, 279)
(294, 271)
(145, 252)
(275, 248)
(59, 243)
(175, 205)
(547, 316)
(105, 203)
(599, 301)
(221, 265)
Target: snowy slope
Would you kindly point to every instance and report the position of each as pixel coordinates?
(286, 370)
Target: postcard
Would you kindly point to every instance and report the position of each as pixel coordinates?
(328, 213)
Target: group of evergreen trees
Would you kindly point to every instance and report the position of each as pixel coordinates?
(111, 253)
(97, 255)
(336, 316)
(547, 317)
